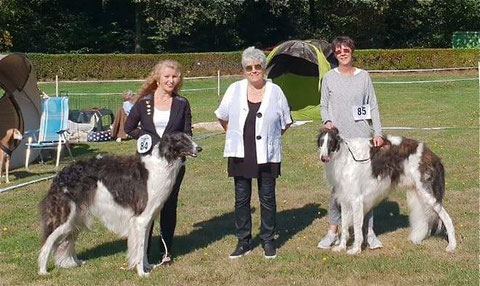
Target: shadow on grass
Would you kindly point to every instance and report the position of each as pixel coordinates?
(82, 150)
(106, 249)
(387, 218)
(21, 174)
(289, 223)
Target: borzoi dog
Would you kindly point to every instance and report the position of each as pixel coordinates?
(362, 176)
(124, 192)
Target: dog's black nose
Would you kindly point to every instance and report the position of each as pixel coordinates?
(199, 149)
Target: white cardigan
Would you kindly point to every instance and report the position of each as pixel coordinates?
(272, 117)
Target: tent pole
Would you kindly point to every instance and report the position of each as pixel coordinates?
(56, 85)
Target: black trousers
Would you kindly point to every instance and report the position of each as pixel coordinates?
(168, 216)
(268, 208)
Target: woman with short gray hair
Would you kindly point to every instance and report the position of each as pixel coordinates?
(254, 113)
(251, 55)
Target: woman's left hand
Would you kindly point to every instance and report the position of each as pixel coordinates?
(377, 141)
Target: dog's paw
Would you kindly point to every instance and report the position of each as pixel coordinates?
(143, 274)
(450, 248)
(42, 272)
(354, 251)
(338, 248)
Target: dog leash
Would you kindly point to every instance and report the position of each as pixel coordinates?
(353, 156)
(166, 252)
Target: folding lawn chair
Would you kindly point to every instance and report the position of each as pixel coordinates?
(53, 125)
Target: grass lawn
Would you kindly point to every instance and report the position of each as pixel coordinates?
(205, 231)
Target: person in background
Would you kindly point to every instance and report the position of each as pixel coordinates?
(255, 114)
(348, 102)
(118, 126)
(159, 110)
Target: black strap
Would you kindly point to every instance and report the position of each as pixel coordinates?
(353, 156)
(6, 150)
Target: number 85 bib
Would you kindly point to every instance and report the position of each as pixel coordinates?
(361, 112)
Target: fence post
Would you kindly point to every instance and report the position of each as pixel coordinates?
(56, 85)
(218, 82)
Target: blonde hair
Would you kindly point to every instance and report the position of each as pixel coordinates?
(150, 84)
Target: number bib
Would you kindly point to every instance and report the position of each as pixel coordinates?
(361, 112)
(144, 143)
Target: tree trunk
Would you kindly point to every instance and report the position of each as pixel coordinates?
(138, 29)
(311, 13)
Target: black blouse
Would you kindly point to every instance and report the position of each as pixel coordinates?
(247, 167)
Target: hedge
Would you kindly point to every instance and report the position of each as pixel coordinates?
(137, 66)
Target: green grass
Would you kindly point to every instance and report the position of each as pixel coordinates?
(204, 235)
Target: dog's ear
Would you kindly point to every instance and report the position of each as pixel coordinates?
(334, 130)
(9, 133)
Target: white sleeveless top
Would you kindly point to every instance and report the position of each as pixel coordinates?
(160, 120)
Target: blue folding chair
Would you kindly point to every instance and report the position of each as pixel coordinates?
(53, 125)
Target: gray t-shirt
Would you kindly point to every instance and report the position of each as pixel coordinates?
(339, 93)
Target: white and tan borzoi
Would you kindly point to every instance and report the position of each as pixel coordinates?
(124, 192)
(362, 176)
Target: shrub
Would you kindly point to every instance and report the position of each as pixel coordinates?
(137, 66)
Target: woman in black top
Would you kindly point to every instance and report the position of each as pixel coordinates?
(160, 110)
(255, 114)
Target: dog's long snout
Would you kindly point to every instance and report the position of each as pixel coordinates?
(325, 159)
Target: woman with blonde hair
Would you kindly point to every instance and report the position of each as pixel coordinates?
(158, 110)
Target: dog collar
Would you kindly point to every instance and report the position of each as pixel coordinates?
(6, 150)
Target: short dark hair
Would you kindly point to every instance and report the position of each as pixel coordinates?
(343, 40)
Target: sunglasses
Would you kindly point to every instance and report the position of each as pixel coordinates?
(257, 67)
(344, 50)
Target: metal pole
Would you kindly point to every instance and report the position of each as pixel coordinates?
(56, 85)
(26, 183)
(218, 82)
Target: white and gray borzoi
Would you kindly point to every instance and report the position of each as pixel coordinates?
(124, 192)
(362, 176)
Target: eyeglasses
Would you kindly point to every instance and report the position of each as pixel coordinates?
(344, 50)
(257, 67)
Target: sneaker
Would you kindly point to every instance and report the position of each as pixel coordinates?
(328, 241)
(270, 250)
(242, 249)
(119, 140)
(373, 242)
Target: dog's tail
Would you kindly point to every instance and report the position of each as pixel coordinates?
(438, 189)
(54, 209)
(424, 219)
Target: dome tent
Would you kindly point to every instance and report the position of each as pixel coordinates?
(20, 103)
(298, 67)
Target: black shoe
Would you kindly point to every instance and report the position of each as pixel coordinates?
(270, 250)
(242, 249)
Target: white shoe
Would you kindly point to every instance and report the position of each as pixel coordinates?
(328, 241)
(119, 140)
(373, 242)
